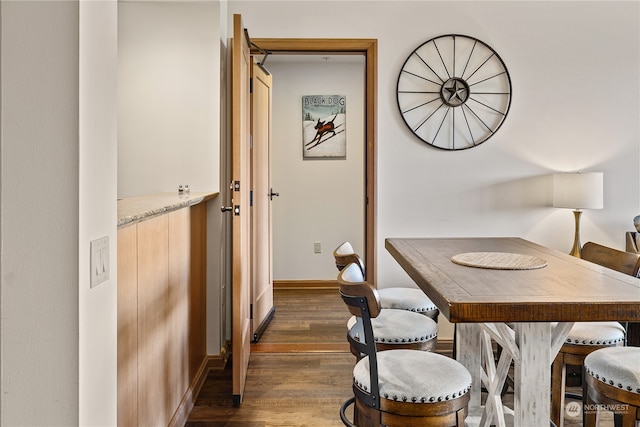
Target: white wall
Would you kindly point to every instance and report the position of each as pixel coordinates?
(39, 217)
(320, 200)
(169, 91)
(566, 60)
(171, 116)
(97, 207)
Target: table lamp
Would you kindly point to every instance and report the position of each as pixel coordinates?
(578, 191)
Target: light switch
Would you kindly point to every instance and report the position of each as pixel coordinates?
(99, 262)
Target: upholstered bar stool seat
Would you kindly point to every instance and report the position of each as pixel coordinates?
(418, 378)
(584, 338)
(596, 333)
(394, 329)
(410, 299)
(612, 381)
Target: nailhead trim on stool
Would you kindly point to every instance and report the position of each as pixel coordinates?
(596, 333)
(616, 366)
(408, 299)
(400, 326)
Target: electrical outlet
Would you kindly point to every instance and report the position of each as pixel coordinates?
(317, 247)
(99, 261)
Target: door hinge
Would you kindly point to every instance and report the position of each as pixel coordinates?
(251, 198)
(250, 84)
(251, 311)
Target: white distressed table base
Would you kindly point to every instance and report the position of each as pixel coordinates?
(531, 346)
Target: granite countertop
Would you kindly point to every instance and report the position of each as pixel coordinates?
(134, 209)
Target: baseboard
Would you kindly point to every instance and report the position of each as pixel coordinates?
(305, 284)
(181, 415)
(187, 403)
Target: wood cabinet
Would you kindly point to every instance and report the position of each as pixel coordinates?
(161, 314)
(127, 326)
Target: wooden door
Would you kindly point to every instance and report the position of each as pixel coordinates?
(262, 278)
(241, 225)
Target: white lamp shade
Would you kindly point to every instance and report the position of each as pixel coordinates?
(578, 190)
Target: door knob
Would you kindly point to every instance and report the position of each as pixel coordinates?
(272, 194)
(226, 208)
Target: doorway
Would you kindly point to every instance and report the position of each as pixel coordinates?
(240, 56)
(320, 181)
(366, 48)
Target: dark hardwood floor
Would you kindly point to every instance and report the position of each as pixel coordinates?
(293, 389)
(299, 371)
(306, 320)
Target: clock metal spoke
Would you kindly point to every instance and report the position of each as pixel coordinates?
(454, 56)
(429, 67)
(479, 119)
(422, 77)
(442, 60)
(453, 129)
(419, 91)
(421, 105)
(441, 123)
(473, 48)
(466, 120)
(428, 117)
(488, 93)
(481, 65)
(488, 78)
(488, 106)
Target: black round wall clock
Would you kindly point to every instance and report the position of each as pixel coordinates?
(454, 92)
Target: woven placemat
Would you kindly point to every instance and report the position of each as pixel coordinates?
(499, 260)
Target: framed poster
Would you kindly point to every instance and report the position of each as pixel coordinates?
(323, 127)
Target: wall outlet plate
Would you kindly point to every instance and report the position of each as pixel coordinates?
(99, 261)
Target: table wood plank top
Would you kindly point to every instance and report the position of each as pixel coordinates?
(567, 289)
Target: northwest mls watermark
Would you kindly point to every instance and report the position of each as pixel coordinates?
(575, 409)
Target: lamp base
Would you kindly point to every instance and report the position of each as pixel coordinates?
(577, 247)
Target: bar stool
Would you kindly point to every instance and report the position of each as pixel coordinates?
(583, 339)
(399, 388)
(612, 381)
(401, 324)
(410, 299)
(587, 337)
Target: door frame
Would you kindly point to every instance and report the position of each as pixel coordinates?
(369, 49)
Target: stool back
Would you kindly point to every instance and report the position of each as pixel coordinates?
(363, 302)
(624, 262)
(344, 255)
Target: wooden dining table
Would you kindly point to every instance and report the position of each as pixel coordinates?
(524, 296)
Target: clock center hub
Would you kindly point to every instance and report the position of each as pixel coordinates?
(454, 92)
